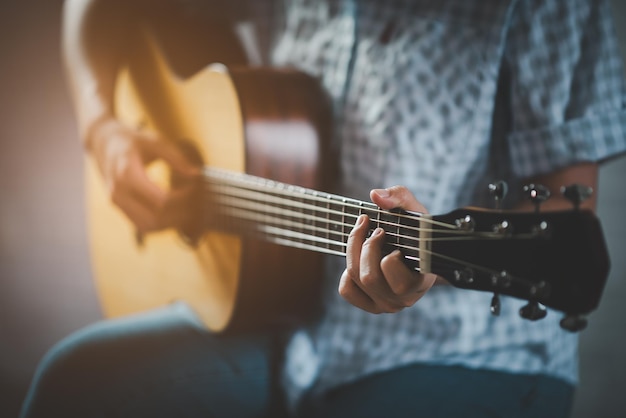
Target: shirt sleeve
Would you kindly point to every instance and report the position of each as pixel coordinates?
(567, 85)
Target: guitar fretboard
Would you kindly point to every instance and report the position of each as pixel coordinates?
(308, 219)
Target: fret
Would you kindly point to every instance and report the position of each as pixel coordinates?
(292, 215)
(266, 201)
(335, 219)
(371, 212)
(327, 226)
(317, 215)
(407, 238)
(313, 221)
(425, 243)
(265, 216)
(344, 237)
(361, 211)
(268, 216)
(316, 229)
(329, 223)
(389, 222)
(297, 207)
(353, 210)
(397, 239)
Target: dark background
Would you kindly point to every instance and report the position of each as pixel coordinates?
(45, 281)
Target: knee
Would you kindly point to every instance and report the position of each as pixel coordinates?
(99, 362)
(76, 371)
(70, 366)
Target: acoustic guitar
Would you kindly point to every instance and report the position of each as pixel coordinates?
(256, 255)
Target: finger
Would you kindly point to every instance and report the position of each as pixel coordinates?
(176, 211)
(352, 293)
(372, 281)
(143, 185)
(141, 215)
(149, 206)
(155, 147)
(396, 197)
(408, 286)
(134, 193)
(182, 208)
(355, 242)
(371, 277)
(136, 180)
(350, 286)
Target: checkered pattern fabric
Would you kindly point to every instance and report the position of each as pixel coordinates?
(415, 84)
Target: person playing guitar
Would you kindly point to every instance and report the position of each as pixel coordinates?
(428, 99)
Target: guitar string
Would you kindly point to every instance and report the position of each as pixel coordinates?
(285, 237)
(260, 212)
(446, 264)
(263, 198)
(255, 197)
(251, 183)
(257, 201)
(296, 239)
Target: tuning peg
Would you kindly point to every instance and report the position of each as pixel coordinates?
(495, 305)
(466, 224)
(537, 194)
(498, 191)
(532, 311)
(539, 290)
(573, 323)
(576, 193)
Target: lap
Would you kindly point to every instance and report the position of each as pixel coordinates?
(162, 363)
(165, 364)
(445, 391)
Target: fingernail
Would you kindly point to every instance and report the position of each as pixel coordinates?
(377, 231)
(360, 220)
(382, 192)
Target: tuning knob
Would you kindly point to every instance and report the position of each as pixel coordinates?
(532, 311)
(539, 290)
(498, 191)
(573, 323)
(537, 194)
(495, 305)
(466, 224)
(576, 193)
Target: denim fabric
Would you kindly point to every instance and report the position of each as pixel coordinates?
(158, 364)
(444, 392)
(164, 364)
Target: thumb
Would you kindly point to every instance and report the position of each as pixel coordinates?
(396, 197)
(158, 148)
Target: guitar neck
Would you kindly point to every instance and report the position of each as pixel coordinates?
(303, 218)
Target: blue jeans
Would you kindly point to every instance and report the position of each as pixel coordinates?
(164, 364)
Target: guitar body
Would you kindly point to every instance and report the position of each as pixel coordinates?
(263, 122)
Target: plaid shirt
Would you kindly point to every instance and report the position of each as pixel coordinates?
(415, 84)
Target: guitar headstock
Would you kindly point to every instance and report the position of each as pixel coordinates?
(557, 259)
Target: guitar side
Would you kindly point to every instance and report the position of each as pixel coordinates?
(262, 122)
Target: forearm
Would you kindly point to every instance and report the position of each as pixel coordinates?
(92, 50)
